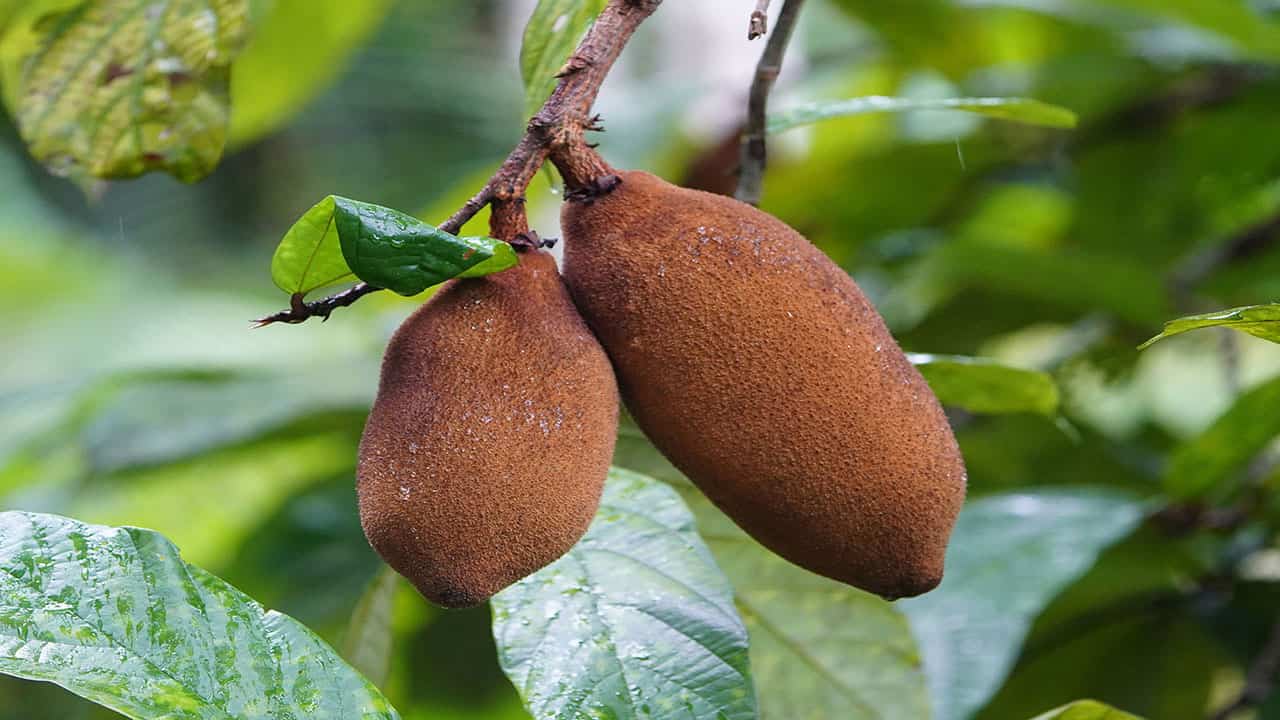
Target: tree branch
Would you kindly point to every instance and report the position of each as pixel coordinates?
(754, 148)
(759, 24)
(556, 131)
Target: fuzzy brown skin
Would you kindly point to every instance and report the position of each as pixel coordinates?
(486, 450)
(760, 370)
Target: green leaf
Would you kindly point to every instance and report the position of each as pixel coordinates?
(396, 251)
(310, 256)
(1086, 710)
(368, 641)
(819, 648)
(297, 49)
(1207, 461)
(985, 386)
(550, 37)
(1258, 320)
(339, 240)
(1022, 110)
(636, 621)
(115, 616)
(118, 88)
(1009, 556)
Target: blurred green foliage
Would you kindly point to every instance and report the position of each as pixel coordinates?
(132, 390)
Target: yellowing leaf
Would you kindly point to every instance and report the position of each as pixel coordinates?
(119, 88)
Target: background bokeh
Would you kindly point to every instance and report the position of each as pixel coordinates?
(133, 391)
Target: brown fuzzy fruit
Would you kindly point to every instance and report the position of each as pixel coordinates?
(486, 450)
(759, 369)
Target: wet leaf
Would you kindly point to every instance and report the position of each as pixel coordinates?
(1022, 110)
(118, 88)
(819, 648)
(1258, 320)
(339, 240)
(636, 621)
(115, 616)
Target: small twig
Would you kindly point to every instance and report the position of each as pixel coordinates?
(754, 147)
(301, 311)
(1260, 680)
(555, 132)
(759, 24)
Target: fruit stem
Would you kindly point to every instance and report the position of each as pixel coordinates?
(556, 131)
(509, 221)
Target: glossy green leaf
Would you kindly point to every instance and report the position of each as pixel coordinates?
(550, 38)
(1207, 461)
(985, 386)
(297, 49)
(115, 616)
(636, 621)
(819, 648)
(1086, 710)
(399, 252)
(339, 240)
(1258, 320)
(1022, 110)
(1009, 556)
(368, 641)
(119, 88)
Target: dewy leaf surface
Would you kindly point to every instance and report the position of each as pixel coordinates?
(339, 240)
(116, 616)
(1009, 556)
(550, 37)
(396, 251)
(119, 88)
(636, 621)
(819, 649)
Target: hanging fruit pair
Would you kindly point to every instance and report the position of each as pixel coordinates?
(747, 356)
